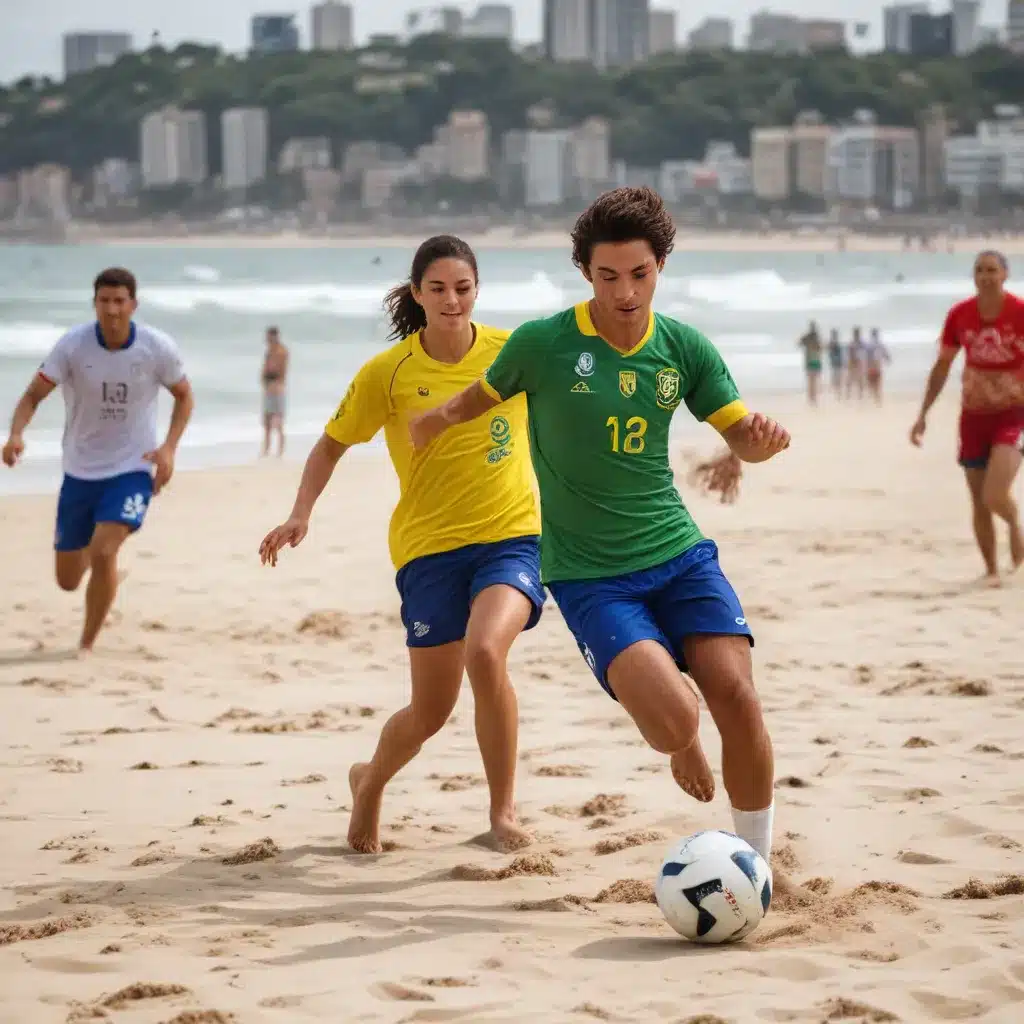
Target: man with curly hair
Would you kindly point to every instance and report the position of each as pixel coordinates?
(637, 583)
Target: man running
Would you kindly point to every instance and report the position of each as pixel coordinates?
(876, 358)
(111, 372)
(990, 330)
(637, 583)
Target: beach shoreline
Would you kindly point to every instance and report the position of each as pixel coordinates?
(687, 240)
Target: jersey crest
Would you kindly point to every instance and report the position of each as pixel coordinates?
(668, 387)
(627, 383)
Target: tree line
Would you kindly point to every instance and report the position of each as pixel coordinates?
(666, 109)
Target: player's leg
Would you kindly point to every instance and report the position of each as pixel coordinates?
(997, 493)
(507, 598)
(103, 579)
(436, 680)
(973, 457)
(76, 520)
(629, 655)
(699, 611)
(268, 423)
(435, 611)
(120, 510)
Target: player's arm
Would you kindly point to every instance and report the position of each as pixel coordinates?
(949, 347)
(360, 414)
(181, 413)
(715, 399)
(509, 374)
(38, 390)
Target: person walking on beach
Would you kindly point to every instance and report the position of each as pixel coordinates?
(639, 586)
(835, 363)
(274, 380)
(812, 346)
(111, 372)
(876, 357)
(989, 328)
(855, 365)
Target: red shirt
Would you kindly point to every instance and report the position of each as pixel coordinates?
(994, 350)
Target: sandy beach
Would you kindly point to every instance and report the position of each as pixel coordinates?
(174, 809)
(688, 240)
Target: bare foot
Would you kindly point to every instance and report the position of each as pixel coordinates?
(692, 772)
(364, 824)
(506, 836)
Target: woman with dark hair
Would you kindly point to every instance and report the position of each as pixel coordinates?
(990, 329)
(463, 536)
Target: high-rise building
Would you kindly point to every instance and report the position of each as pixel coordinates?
(1015, 25)
(466, 142)
(84, 51)
(776, 33)
(567, 34)
(712, 34)
(173, 148)
(244, 146)
(661, 31)
(896, 21)
(434, 21)
(966, 25)
(491, 21)
(331, 26)
(274, 33)
(607, 33)
(931, 35)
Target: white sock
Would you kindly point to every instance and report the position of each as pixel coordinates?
(755, 828)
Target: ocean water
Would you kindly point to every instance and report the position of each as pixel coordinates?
(327, 303)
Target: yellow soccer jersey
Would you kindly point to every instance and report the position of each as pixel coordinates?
(474, 484)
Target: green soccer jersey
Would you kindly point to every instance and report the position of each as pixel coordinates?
(599, 426)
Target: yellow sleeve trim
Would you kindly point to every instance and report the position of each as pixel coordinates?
(490, 391)
(728, 415)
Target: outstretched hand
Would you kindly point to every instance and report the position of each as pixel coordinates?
(917, 432)
(288, 534)
(13, 450)
(720, 475)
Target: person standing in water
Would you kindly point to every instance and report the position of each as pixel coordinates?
(989, 328)
(835, 363)
(274, 378)
(876, 357)
(811, 344)
(855, 365)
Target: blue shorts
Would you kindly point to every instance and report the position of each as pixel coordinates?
(84, 503)
(438, 590)
(686, 596)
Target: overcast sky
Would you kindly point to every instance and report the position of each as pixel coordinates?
(30, 40)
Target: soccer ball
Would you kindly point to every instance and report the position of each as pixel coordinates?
(714, 887)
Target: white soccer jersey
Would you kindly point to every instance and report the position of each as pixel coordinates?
(110, 397)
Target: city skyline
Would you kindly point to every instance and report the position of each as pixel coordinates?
(32, 44)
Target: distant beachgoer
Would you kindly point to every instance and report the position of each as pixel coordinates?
(835, 363)
(274, 378)
(876, 356)
(111, 372)
(989, 328)
(855, 365)
(812, 346)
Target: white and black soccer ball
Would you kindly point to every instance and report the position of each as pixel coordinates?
(714, 887)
